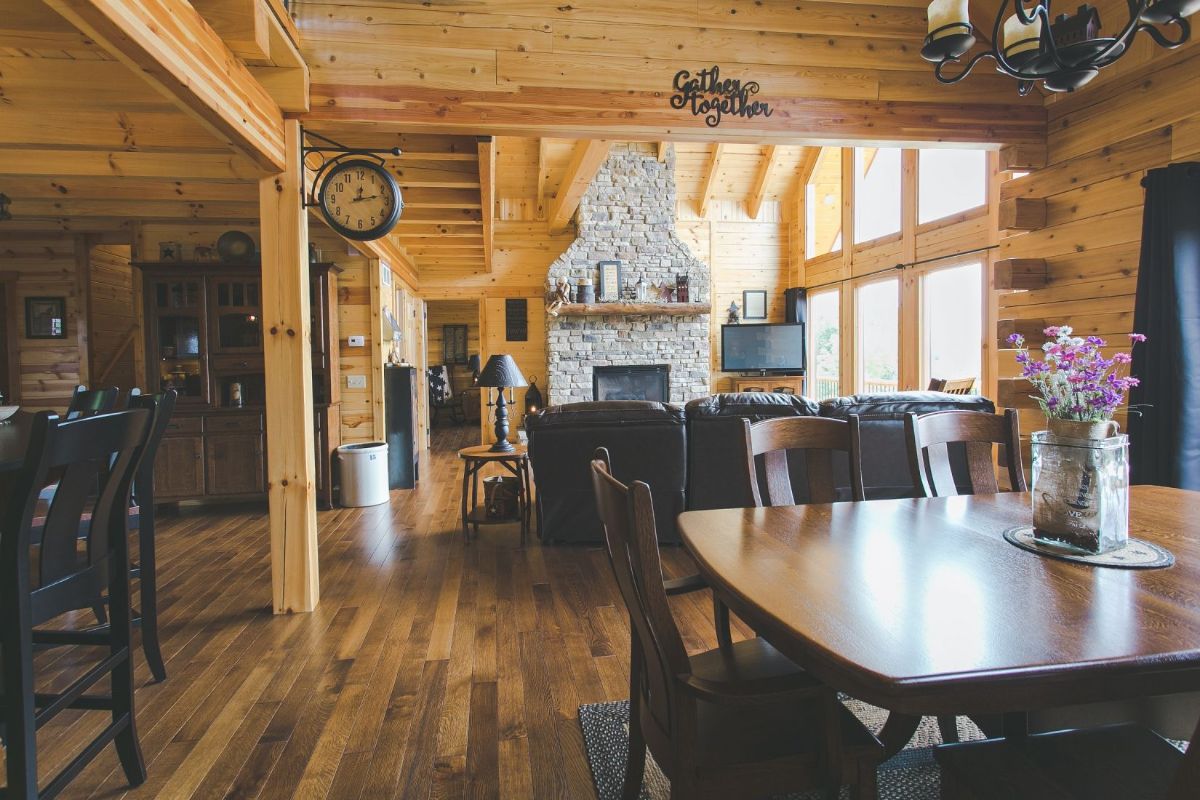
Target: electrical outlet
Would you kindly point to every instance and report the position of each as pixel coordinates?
(357, 341)
(356, 381)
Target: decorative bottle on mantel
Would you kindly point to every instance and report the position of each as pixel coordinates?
(1081, 464)
(586, 291)
(640, 292)
(681, 288)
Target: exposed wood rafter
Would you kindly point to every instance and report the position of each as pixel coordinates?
(585, 162)
(170, 45)
(759, 192)
(710, 177)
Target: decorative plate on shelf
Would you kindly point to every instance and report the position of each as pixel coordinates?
(235, 246)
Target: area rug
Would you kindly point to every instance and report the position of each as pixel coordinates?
(911, 774)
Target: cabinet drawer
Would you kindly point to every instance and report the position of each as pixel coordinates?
(179, 425)
(233, 422)
(236, 363)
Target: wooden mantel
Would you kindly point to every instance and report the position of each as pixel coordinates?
(627, 309)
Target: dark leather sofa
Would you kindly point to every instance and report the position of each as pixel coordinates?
(646, 441)
(692, 458)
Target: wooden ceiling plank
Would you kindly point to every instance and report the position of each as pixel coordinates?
(170, 45)
(241, 23)
(710, 177)
(487, 195)
(759, 192)
(64, 164)
(586, 160)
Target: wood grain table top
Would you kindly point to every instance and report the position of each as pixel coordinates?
(920, 606)
(484, 452)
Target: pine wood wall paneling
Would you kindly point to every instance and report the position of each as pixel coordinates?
(1100, 144)
(115, 328)
(49, 369)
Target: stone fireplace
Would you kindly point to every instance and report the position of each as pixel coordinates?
(638, 382)
(628, 215)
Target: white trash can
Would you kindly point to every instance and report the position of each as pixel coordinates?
(364, 477)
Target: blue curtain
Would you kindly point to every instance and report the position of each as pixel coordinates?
(1165, 436)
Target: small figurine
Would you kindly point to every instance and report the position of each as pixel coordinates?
(735, 314)
(203, 253)
(560, 296)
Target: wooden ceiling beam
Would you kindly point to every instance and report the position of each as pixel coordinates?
(171, 46)
(763, 180)
(541, 179)
(66, 164)
(808, 162)
(710, 177)
(585, 162)
(242, 24)
(487, 195)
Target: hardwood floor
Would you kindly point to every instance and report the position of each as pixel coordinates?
(431, 668)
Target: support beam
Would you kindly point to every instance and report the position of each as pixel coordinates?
(487, 195)
(759, 192)
(585, 163)
(714, 165)
(241, 23)
(1020, 273)
(808, 162)
(170, 45)
(1023, 157)
(287, 353)
(541, 179)
(662, 151)
(1023, 214)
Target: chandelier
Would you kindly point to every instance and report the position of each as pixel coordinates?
(1061, 54)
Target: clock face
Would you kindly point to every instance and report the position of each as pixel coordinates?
(360, 200)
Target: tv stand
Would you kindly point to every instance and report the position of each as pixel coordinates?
(786, 384)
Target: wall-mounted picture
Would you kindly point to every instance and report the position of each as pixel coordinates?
(170, 251)
(45, 317)
(754, 304)
(610, 281)
(454, 344)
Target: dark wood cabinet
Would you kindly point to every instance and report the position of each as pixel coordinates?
(204, 339)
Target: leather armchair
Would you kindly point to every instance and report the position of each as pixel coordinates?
(884, 451)
(647, 442)
(716, 440)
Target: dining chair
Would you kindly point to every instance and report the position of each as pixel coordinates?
(39, 584)
(672, 586)
(952, 385)
(928, 457)
(771, 440)
(86, 402)
(1116, 762)
(741, 722)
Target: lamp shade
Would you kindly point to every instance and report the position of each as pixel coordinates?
(473, 362)
(501, 371)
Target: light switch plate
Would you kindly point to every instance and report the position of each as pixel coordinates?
(356, 381)
(357, 341)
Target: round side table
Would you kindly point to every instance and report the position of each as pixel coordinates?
(516, 462)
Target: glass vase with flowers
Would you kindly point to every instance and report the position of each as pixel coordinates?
(1081, 463)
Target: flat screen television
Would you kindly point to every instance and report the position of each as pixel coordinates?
(775, 347)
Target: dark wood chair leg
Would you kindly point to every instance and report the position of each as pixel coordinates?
(20, 733)
(100, 612)
(148, 578)
(466, 478)
(129, 751)
(949, 729)
(721, 623)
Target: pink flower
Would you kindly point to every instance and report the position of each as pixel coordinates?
(1122, 358)
(1051, 331)
(1137, 337)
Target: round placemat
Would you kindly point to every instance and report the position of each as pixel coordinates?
(1137, 554)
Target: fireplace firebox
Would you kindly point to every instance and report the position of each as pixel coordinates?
(637, 382)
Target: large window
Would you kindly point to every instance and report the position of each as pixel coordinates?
(823, 205)
(952, 323)
(877, 315)
(876, 192)
(950, 182)
(824, 336)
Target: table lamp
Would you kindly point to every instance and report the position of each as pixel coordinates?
(473, 365)
(501, 373)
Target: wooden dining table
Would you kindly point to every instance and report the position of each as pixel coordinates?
(923, 608)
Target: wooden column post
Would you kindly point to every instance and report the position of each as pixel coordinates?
(287, 351)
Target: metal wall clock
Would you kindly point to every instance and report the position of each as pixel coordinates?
(357, 194)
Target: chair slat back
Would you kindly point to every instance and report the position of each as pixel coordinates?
(627, 514)
(820, 438)
(160, 407)
(928, 436)
(89, 402)
(98, 450)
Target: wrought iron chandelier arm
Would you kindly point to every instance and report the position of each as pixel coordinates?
(966, 70)
(1109, 54)
(1042, 7)
(1185, 33)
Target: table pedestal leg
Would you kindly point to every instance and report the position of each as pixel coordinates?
(475, 495)
(897, 732)
(466, 478)
(528, 512)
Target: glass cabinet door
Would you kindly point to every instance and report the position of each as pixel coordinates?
(178, 311)
(236, 315)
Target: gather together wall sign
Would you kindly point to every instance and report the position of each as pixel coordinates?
(706, 94)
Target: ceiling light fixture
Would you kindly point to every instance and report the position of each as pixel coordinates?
(1033, 47)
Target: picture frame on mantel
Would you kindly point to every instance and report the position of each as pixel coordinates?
(610, 281)
(754, 304)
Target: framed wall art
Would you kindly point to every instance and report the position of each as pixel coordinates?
(754, 304)
(610, 281)
(45, 317)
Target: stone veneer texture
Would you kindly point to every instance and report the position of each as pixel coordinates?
(628, 215)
